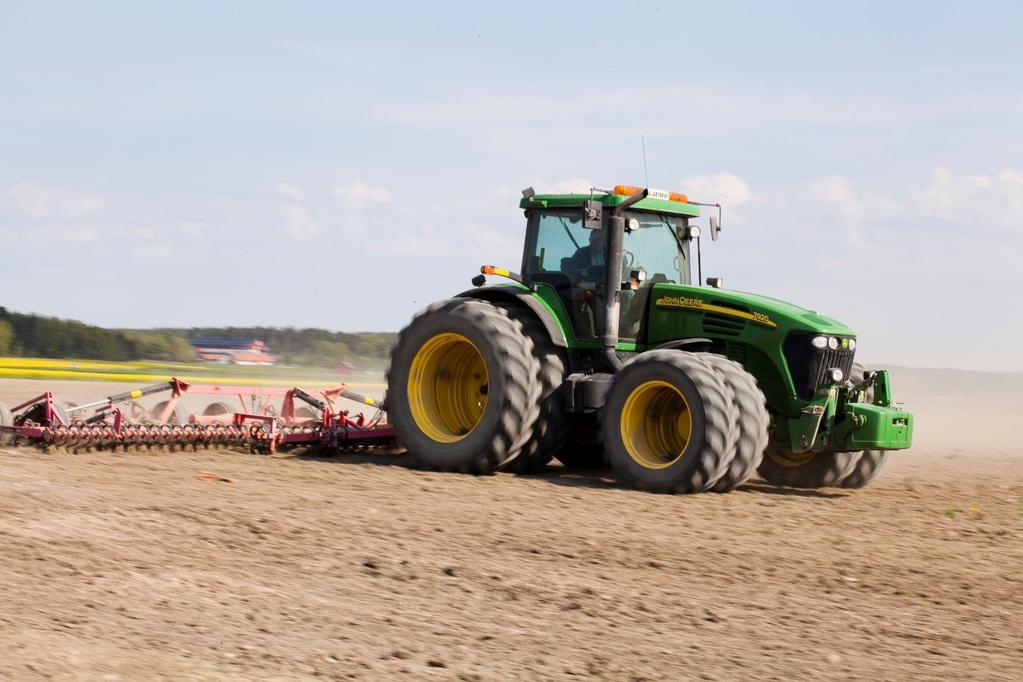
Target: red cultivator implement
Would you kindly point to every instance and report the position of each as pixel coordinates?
(259, 422)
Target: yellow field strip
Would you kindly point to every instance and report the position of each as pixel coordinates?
(18, 373)
(48, 363)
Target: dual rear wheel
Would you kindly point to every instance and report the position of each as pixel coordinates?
(465, 387)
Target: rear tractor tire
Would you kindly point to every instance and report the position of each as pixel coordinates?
(464, 387)
(550, 432)
(752, 422)
(669, 425)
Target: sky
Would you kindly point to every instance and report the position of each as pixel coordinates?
(342, 165)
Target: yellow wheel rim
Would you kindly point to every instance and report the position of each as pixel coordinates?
(790, 459)
(656, 425)
(447, 387)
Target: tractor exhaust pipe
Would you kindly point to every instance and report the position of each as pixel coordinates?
(613, 276)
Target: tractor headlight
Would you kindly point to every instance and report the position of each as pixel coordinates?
(819, 342)
(832, 343)
(836, 375)
(852, 344)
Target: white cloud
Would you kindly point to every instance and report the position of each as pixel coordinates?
(837, 194)
(359, 193)
(922, 228)
(153, 253)
(297, 220)
(726, 188)
(143, 232)
(293, 192)
(36, 201)
(982, 200)
(194, 230)
(32, 200)
(940, 199)
(77, 233)
(79, 205)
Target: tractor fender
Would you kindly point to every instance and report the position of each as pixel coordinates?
(526, 298)
(695, 345)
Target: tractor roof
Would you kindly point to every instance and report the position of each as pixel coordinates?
(660, 205)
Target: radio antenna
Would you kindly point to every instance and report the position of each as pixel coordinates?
(646, 175)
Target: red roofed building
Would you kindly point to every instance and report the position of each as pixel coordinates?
(237, 351)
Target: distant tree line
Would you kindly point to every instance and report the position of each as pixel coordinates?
(49, 337)
(308, 347)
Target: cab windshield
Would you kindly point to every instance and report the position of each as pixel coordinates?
(654, 247)
(562, 253)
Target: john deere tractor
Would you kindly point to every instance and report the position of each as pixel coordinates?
(604, 349)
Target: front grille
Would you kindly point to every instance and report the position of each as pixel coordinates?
(809, 365)
(716, 323)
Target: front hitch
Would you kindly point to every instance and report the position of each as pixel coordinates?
(858, 417)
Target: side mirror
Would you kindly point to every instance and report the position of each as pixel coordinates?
(592, 212)
(715, 227)
(716, 282)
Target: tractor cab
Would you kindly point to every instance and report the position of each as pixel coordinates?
(567, 248)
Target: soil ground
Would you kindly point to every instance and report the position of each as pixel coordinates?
(136, 566)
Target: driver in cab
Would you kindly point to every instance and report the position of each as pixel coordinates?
(585, 269)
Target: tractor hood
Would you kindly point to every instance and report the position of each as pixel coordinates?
(766, 311)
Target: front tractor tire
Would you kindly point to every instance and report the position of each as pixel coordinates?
(825, 469)
(867, 468)
(870, 463)
(669, 425)
(807, 469)
(464, 387)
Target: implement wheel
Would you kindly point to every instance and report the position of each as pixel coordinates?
(305, 412)
(6, 419)
(216, 409)
(37, 415)
(807, 469)
(464, 387)
(669, 423)
(173, 418)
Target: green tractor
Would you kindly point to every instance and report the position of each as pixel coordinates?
(604, 350)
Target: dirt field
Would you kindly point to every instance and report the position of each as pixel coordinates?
(132, 567)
